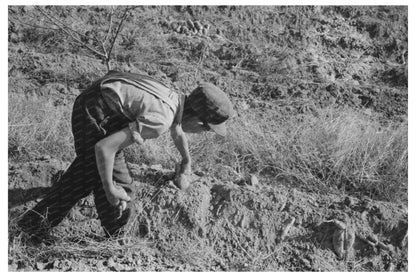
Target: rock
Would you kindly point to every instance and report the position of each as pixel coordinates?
(343, 239)
(184, 30)
(190, 24)
(253, 180)
(391, 267)
(40, 266)
(338, 242)
(156, 167)
(174, 25)
(244, 223)
(244, 105)
(111, 264)
(100, 266)
(56, 264)
(198, 25)
(349, 241)
(372, 238)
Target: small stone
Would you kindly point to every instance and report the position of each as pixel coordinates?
(372, 238)
(100, 266)
(244, 105)
(110, 262)
(349, 241)
(55, 264)
(198, 25)
(156, 167)
(191, 25)
(174, 25)
(184, 30)
(244, 223)
(391, 267)
(338, 242)
(253, 180)
(40, 266)
(299, 220)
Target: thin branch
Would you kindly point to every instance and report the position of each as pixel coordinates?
(110, 27)
(123, 18)
(32, 25)
(70, 32)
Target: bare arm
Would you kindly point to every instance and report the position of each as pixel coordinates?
(181, 142)
(105, 151)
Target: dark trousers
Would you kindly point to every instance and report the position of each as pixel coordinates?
(92, 120)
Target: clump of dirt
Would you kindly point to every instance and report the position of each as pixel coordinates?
(215, 225)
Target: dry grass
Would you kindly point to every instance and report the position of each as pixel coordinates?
(37, 127)
(340, 149)
(81, 243)
(337, 149)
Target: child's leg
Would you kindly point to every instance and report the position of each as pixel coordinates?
(58, 202)
(77, 182)
(110, 215)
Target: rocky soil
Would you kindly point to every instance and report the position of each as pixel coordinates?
(250, 225)
(274, 62)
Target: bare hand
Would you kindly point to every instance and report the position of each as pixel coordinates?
(121, 207)
(116, 194)
(182, 181)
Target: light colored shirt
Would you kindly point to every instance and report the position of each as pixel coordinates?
(150, 115)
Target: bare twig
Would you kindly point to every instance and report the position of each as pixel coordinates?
(70, 32)
(32, 25)
(120, 25)
(100, 47)
(110, 27)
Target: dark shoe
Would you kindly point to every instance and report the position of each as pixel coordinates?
(36, 228)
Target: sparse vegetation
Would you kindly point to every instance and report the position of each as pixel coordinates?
(38, 127)
(336, 150)
(321, 96)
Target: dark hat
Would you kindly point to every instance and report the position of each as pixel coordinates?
(212, 106)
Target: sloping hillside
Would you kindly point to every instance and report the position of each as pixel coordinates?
(313, 173)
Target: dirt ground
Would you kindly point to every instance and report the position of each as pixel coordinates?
(282, 61)
(215, 226)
